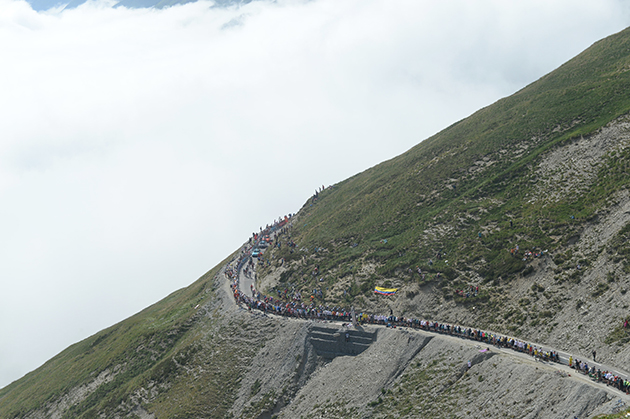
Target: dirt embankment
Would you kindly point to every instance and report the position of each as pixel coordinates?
(407, 373)
(308, 371)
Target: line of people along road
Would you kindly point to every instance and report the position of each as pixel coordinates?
(297, 309)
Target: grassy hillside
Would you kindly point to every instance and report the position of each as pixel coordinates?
(544, 170)
(471, 193)
(139, 359)
(400, 197)
(131, 348)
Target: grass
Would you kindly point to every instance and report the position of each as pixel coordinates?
(622, 414)
(417, 395)
(619, 335)
(147, 349)
(454, 205)
(441, 194)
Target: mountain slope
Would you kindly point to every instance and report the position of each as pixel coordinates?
(515, 219)
(477, 176)
(42, 5)
(544, 171)
(96, 374)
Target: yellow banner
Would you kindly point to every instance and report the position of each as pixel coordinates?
(381, 290)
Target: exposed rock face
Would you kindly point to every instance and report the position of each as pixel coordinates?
(455, 208)
(57, 408)
(308, 370)
(353, 381)
(570, 170)
(332, 342)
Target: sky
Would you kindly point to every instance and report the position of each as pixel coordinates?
(139, 148)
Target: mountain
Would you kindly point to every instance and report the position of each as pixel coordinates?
(41, 5)
(514, 220)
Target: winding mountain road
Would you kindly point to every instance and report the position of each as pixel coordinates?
(247, 283)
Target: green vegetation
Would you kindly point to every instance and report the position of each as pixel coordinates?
(337, 409)
(416, 394)
(264, 405)
(622, 412)
(619, 335)
(147, 351)
(619, 249)
(441, 220)
(125, 351)
(455, 205)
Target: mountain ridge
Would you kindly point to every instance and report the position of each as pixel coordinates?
(43, 5)
(527, 199)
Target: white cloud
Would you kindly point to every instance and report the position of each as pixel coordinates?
(140, 147)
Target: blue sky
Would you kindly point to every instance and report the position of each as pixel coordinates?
(140, 147)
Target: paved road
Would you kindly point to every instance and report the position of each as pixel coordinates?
(562, 367)
(245, 282)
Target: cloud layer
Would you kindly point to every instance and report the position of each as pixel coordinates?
(141, 147)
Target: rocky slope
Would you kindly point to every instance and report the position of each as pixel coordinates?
(515, 220)
(527, 200)
(241, 363)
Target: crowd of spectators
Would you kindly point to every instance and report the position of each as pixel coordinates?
(296, 308)
(606, 377)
